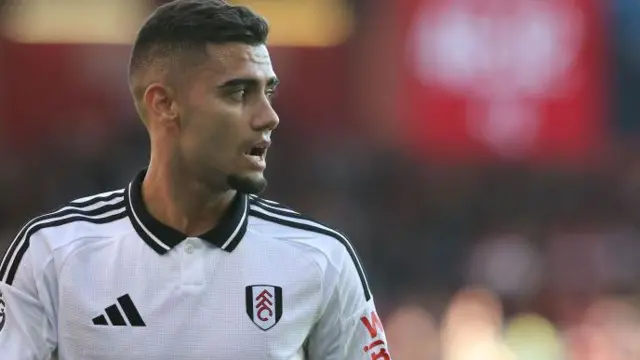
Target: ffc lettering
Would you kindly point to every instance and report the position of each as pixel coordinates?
(264, 305)
(377, 349)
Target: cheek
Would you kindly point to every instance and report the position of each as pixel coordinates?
(213, 138)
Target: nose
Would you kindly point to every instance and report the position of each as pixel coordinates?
(266, 118)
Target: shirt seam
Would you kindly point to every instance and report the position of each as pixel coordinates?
(321, 275)
(38, 280)
(74, 251)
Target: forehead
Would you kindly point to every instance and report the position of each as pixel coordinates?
(227, 61)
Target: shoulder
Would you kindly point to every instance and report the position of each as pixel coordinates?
(81, 214)
(76, 219)
(281, 222)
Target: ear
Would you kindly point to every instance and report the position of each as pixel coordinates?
(160, 102)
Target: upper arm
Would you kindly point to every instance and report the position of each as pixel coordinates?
(27, 324)
(349, 327)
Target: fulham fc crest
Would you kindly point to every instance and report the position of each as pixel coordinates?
(264, 305)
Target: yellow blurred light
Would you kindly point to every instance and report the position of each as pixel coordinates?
(532, 337)
(79, 21)
(316, 23)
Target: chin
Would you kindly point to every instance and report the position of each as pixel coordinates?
(247, 184)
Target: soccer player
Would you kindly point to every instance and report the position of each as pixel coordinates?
(186, 261)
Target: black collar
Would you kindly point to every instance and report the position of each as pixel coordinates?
(162, 238)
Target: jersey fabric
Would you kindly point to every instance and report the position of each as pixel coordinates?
(101, 279)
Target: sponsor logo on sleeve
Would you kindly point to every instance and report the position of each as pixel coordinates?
(377, 349)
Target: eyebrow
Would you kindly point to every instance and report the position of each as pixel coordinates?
(249, 82)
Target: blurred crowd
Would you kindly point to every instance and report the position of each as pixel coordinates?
(491, 260)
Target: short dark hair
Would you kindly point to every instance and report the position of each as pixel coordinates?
(187, 26)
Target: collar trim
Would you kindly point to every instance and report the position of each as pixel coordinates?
(162, 238)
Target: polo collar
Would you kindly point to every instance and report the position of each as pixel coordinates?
(162, 238)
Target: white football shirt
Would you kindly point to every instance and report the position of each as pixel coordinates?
(101, 279)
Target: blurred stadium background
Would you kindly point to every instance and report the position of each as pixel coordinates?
(483, 155)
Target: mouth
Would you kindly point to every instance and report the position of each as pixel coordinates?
(257, 153)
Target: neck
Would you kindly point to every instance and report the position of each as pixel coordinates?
(181, 202)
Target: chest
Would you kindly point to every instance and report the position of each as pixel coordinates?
(191, 305)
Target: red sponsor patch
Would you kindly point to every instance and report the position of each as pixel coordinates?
(377, 349)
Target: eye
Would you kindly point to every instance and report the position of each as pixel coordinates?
(238, 94)
(271, 94)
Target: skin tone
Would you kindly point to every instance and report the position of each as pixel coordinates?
(209, 135)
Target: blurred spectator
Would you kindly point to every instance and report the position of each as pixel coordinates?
(413, 334)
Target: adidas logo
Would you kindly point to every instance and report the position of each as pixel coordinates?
(115, 316)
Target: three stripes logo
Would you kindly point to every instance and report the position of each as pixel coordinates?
(115, 314)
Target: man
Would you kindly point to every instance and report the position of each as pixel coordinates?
(186, 262)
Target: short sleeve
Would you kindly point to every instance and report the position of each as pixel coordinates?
(349, 327)
(27, 322)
